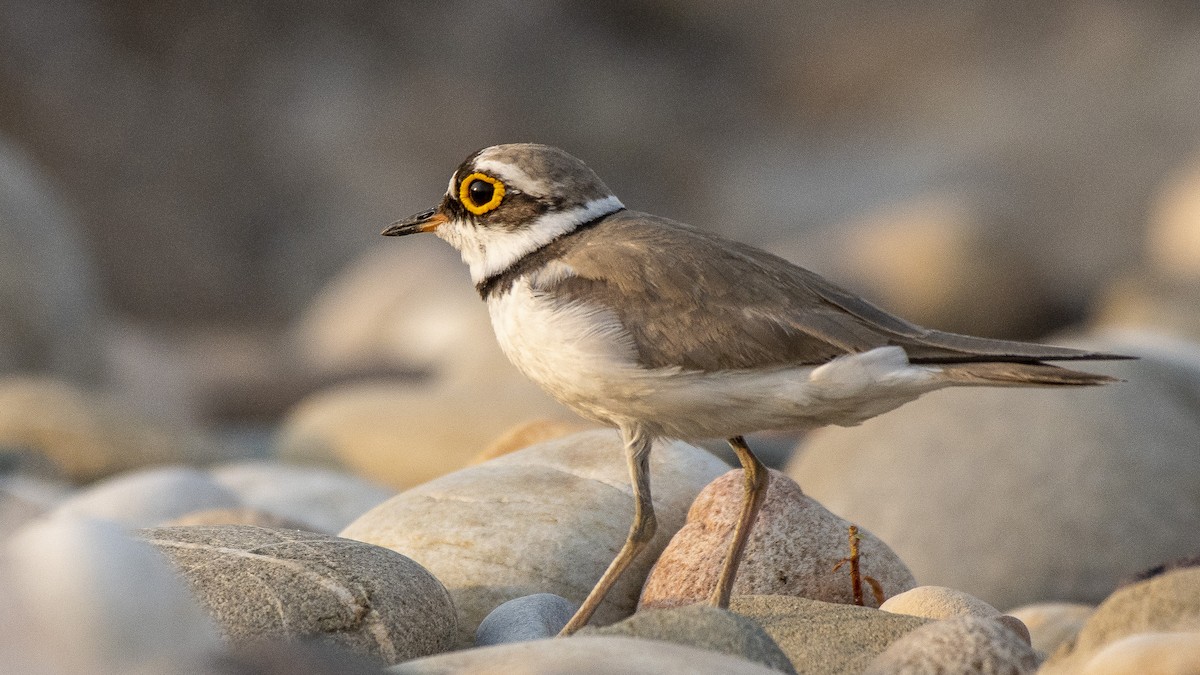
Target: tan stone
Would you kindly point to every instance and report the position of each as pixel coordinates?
(1166, 603)
(526, 434)
(88, 436)
(546, 519)
(1052, 623)
(967, 644)
(1158, 653)
(793, 549)
(938, 602)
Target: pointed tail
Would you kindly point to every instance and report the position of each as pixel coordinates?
(1007, 374)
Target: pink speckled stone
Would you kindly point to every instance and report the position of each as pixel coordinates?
(793, 548)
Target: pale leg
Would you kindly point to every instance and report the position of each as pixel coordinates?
(755, 489)
(637, 453)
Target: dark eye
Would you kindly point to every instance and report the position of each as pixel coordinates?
(480, 193)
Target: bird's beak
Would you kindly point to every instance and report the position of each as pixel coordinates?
(425, 221)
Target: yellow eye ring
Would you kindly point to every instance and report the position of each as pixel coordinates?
(468, 199)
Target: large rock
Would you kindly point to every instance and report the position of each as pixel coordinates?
(321, 499)
(267, 584)
(702, 626)
(91, 599)
(1176, 653)
(825, 637)
(967, 644)
(87, 436)
(792, 550)
(594, 655)
(549, 518)
(49, 301)
(967, 485)
(1166, 603)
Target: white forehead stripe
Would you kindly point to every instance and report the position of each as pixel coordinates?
(490, 251)
(513, 176)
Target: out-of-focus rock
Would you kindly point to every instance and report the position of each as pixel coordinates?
(929, 478)
(149, 497)
(549, 518)
(317, 498)
(234, 516)
(935, 260)
(1165, 604)
(49, 302)
(1149, 302)
(268, 584)
(87, 436)
(526, 434)
(1052, 623)
(793, 548)
(23, 498)
(1173, 238)
(1159, 653)
(99, 601)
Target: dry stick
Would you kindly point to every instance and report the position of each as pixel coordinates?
(856, 577)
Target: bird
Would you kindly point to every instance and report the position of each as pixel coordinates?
(666, 331)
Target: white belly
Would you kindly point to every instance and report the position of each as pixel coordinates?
(584, 358)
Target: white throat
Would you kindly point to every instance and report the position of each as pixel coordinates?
(490, 251)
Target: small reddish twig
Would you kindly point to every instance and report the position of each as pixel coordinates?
(855, 571)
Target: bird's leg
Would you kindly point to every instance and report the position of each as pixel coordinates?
(637, 453)
(755, 475)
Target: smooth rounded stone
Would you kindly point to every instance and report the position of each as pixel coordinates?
(320, 499)
(792, 550)
(430, 319)
(261, 583)
(1052, 623)
(149, 497)
(938, 602)
(97, 600)
(549, 518)
(705, 627)
(404, 434)
(1157, 653)
(967, 485)
(935, 259)
(23, 498)
(526, 434)
(1142, 301)
(967, 644)
(825, 637)
(530, 617)
(49, 296)
(1173, 235)
(88, 436)
(1166, 603)
(594, 655)
(234, 516)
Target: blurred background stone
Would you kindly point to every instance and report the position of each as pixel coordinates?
(49, 294)
(89, 435)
